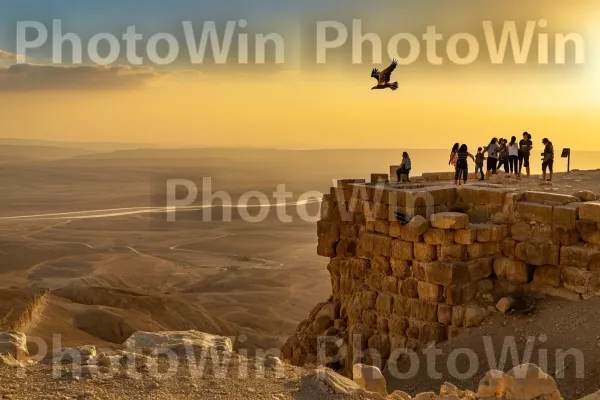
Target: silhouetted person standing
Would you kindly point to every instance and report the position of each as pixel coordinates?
(492, 161)
(548, 160)
(525, 146)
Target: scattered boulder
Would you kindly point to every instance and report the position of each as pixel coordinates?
(328, 381)
(177, 340)
(585, 195)
(529, 382)
(491, 385)
(505, 304)
(418, 225)
(273, 363)
(369, 378)
(83, 355)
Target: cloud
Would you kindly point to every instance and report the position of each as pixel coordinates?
(7, 56)
(31, 77)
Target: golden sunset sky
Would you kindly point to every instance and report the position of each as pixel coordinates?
(298, 104)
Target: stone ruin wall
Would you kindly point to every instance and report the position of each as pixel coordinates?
(402, 286)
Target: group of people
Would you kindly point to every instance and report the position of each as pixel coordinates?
(511, 155)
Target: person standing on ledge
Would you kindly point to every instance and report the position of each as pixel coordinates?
(405, 168)
(492, 161)
(454, 155)
(525, 146)
(513, 156)
(548, 160)
(503, 155)
(462, 166)
(479, 158)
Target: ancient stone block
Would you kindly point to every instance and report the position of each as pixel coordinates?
(540, 233)
(590, 211)
(385, 304)
(432, 332)
(565, 216)
(549, 198)
(411, 231)
(430, 291)
(547, 275)
(575, 279)
(508, 247)
(401, 268)
(595, 263)
(513, 270)
(466, 236)
(480, 268)
(398, 343)
(369, 318)
(520, 231)
(589, 231)
(485, 286)
(359, 267)
(382, 324)
(398, 325)
(402, 250)
(450, 220)
(445, 314)
(555, 292)
(565, 236)
(577, 256)
(535, 212)
(345, 248)
(382, 226)
(460, 294)
(438, 236)
(474, 315)
(334, 266)
(538, 253)
(328, 231)
(481, 195)
(458, 315)
(594, 284)
(409, 288)
(413, 330)
(423, 310)
(381, 264)
(382, 245)
(425, 252)
(417, 226)
(488, 232)
(478, 250)
(452, 252)
(441, 272)
(402, 306)
(325, 248)
(349, 231)
(390, 284)
(367, 299)
(375, 281)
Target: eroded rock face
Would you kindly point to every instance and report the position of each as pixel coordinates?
(14, 344)
(177, 340)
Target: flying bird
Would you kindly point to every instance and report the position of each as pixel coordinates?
(383, 77)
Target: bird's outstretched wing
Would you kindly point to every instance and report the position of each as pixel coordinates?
(386, 74)
(375, 74)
